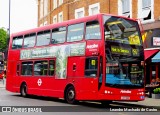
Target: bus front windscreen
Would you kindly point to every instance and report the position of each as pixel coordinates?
(124, 53)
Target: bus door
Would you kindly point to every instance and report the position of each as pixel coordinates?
(75, 70)
(91, 75)
(84, 75)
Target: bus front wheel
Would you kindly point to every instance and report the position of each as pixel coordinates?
(70, 95)
(23, 90)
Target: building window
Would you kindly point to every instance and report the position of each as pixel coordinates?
(54, 4)
(79, 13)
(94, 9)
(60, 2)
(41, 25)
(145, 10)
(45, 7)
(125, 8)
(60, 17)
(146, 4)
(41, 8)
(54, 19)
(45, 23)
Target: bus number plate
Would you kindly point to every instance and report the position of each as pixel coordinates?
(125, 98)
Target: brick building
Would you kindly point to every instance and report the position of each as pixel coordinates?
(148, 11)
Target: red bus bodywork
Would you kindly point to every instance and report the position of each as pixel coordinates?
(1, 75)
(86, 88)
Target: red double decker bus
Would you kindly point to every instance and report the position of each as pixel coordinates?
(1, 65)
(96, 58)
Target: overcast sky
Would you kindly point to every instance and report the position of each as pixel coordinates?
(23, 14)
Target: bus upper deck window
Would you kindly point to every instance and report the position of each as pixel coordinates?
(17, 42)
(75, 32)
(92, 30)
(29, 40)
(58, 35)
(43, 38)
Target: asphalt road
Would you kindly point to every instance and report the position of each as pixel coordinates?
(16, 103)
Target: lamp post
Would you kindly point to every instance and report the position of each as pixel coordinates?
(6, 51)
(9, 18)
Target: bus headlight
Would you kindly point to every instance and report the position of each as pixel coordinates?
(140, 93)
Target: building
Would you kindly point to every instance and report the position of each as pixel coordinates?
(53, 11)
(147, 11)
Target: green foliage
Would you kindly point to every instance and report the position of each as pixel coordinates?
(156, 91)
(3, 39)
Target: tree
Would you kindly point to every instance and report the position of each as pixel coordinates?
(3, 39)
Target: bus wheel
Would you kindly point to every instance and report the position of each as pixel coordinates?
(23, 90)
(70, 95)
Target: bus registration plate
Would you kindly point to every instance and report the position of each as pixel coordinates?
(125, 98)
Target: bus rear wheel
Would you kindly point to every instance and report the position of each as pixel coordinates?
(70, 95)
(23, 90)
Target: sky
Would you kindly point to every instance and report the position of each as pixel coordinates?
(23, 15)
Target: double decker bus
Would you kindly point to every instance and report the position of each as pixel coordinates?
(95, 58)
(1, 65)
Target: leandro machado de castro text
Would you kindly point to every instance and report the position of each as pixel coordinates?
(133, 109)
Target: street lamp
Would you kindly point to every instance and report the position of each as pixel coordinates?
(8, 30)
(9, 18)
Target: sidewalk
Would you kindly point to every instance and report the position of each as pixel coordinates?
(155, 103)
(2, 83)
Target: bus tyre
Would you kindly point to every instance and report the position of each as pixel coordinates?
(24, 90)
(70, 95)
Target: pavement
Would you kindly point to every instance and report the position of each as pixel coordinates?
(2, 83)
(155, 103)
(148, 102)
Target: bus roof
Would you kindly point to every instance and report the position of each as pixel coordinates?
(65, 23)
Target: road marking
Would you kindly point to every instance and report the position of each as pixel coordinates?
(122, 113)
